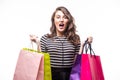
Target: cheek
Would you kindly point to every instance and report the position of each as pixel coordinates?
(56, 22)
(66, 22)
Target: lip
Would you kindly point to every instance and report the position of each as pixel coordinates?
(61, 26)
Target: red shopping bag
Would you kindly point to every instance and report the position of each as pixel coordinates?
(30, 66)
(91, 67)
(96, 67)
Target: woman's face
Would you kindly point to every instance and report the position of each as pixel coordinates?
(60, 21)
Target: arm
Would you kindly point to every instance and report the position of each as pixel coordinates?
(38, 46)
(43, 43)
(81, 48)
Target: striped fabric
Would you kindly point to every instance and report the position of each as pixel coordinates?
(62, 52)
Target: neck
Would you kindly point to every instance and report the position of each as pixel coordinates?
(60, 34)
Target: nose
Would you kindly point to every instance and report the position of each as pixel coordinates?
(61, 19)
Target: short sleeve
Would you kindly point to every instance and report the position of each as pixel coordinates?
(77, 48)
(43, 41)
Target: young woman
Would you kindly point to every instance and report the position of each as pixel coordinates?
(62, 43)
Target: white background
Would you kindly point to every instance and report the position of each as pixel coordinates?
(97, 18)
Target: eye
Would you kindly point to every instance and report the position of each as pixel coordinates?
(65, 17)
(58, 17)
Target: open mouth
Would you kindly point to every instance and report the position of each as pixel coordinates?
(61, 25)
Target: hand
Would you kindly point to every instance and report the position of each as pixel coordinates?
(33, 38)
(90, 39)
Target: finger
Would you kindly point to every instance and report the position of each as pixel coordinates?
(31, 35)
(90, 39)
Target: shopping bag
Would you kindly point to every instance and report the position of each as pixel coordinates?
(96, 67)
(47, 66)
(30, 66)
(90, 67)
(76, 69)
(93, 69)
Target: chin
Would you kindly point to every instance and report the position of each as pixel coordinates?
(61, 30)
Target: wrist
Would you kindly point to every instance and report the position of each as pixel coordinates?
(37, 42)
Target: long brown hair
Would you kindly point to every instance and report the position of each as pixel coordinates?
(70, 31)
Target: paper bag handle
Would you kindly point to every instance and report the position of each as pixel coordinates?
(87, 46)
(38, 46)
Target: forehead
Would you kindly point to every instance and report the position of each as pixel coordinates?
(59, 13)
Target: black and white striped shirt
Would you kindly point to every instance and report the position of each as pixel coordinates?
(62, 52)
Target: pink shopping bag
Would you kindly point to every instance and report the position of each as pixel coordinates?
(30, 66)
(91, 67)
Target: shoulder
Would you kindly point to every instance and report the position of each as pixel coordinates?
(45, 36)
(43, 39)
